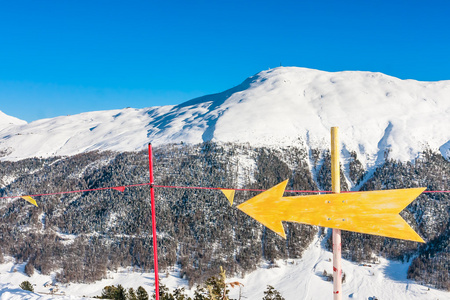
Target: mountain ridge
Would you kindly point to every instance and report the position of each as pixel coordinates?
(6, 120)
(376, 114)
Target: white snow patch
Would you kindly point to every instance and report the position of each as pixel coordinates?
(244, 166)
(66, 238)
(7, 179)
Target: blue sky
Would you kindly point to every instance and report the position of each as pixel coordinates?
(67, 57)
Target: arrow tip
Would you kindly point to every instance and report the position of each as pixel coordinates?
(263, 208)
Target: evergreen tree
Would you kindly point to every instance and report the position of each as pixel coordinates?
(141, 293)
(164, 293)
(121, 293)
(27, 286)
(200, 293)
(272, 294)
(179, 294)
(131, 294)
(112, 292)
(108, 292)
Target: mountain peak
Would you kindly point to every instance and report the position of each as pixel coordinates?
(6, 120)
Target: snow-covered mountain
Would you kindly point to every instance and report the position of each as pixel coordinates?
(7, 121)
(273, 109)
(286, 105)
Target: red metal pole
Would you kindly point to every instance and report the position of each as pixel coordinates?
(155, 244)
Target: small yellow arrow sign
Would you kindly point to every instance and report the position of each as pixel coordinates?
(375, 212)
(229, 194)
(30, 199)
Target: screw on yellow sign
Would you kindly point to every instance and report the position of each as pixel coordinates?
(374, 212)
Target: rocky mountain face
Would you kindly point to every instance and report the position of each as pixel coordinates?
(82, 235)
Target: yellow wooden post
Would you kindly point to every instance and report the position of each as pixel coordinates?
(336, 188)
(335, 167)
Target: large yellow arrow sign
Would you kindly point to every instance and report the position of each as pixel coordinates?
(375, 212)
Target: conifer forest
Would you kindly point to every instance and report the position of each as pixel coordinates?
(83, 235)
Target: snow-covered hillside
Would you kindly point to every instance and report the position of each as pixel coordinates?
(7, 121)
(291, 105)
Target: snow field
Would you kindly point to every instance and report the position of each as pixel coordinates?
(293, 278)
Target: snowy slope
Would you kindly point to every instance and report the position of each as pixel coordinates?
(295, 279)
(279, 106)
(7, 121)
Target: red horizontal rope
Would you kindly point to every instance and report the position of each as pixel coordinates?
(182, 187)
(76, 191)
(247, 190)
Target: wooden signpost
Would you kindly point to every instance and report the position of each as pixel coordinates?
(336, 234)
(373, 212)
